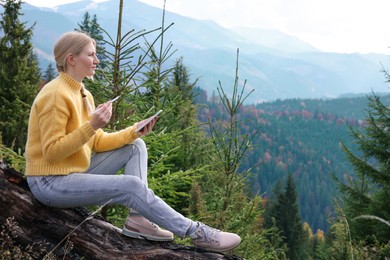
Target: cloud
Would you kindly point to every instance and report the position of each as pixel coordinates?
(330, 25)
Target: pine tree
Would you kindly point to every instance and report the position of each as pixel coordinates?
(170, 88)
(288, 220)
(275, 235)
(85, 25)
(92, 27)
(117, 76)
(123, 76)
(97, 33)
(227, 204)
(272, 202)
(19, 75)
(180, 90)
(49, 74)
(368, 193)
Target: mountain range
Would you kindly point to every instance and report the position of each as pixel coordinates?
(275, 65)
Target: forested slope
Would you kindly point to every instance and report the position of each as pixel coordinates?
(302, 137)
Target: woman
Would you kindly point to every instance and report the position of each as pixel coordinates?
(72, 162)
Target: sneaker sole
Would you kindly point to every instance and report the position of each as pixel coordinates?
(138, 235)
(217, 249)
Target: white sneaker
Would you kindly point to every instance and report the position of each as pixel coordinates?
(211, 238)
(137, 226)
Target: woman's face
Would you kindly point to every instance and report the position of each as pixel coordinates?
(85, 62)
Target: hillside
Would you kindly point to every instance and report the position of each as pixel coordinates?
(277, 66)
(301, 137)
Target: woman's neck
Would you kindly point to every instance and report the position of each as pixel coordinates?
(74, 75)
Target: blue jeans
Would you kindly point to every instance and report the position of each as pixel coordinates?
(100, 184)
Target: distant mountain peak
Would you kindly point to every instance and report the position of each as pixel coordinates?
(274, 39)
(275, 65)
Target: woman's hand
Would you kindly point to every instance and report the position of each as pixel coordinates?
(101, 116)
(147, 128)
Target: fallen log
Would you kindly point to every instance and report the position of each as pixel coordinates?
(51, 233)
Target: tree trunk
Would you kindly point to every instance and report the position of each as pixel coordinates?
(51, 233)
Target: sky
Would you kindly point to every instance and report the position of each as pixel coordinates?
(342, 26)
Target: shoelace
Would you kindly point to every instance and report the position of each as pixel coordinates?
(209, 234)
(153, 225)
(148, 221)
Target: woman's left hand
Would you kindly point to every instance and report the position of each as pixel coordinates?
(147, 128)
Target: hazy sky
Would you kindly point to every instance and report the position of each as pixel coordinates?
(330, 25)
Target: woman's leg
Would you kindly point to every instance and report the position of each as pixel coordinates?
(133, 158)
(81, 189)
(100, 185)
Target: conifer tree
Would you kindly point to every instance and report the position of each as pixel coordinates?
(92, 27)
(288, 220)
(85, 25)
(368, 194)
(19, 75)
(180, 91)
(275, 235)
(170, 88)
(122, 76)
(116, 76)
(271, 204)
(224, 201)
(49, 74)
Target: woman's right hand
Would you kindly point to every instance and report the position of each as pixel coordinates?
(101, 116)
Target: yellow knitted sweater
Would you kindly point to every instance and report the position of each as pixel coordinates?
(60, 139)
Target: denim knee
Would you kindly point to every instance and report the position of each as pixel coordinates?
(140, 144)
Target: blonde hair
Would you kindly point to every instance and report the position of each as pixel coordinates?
(70, 42)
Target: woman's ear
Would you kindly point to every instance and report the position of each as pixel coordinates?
(70, 59)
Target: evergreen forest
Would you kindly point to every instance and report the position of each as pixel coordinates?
(296, 179)
(299, 137)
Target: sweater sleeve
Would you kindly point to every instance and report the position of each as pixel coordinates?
(57, 144)
(108, 141)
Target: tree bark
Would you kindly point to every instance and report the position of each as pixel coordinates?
(74, 233)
